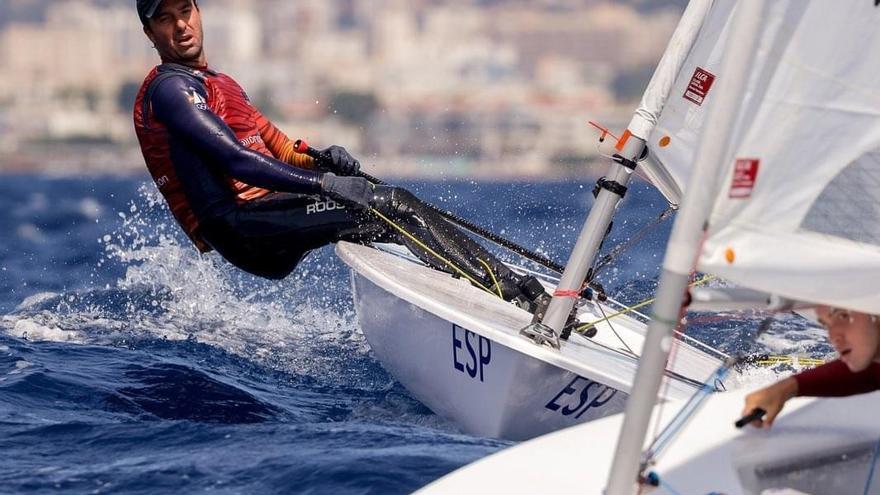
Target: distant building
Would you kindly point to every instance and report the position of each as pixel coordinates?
(481, 82)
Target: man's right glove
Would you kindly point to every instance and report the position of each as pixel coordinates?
(339, 161)
(350, 191)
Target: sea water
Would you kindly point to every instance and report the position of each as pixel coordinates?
(129, 363)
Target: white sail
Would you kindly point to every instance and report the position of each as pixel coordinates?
(798, 213)
(785, 171)
(677, 127)
(660, 88)
(683, 245)
(785, 177)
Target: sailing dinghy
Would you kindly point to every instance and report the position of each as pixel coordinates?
(481, 362)
(789, 161)
(458, 350)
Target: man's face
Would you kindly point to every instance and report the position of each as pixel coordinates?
(176, 31)
(854, 336)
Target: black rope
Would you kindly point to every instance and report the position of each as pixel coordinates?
(485, 234)
(622, 247)
(452, 218)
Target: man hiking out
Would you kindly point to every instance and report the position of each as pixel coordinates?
(236, 185)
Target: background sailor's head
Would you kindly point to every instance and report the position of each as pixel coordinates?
(175, 29)
(854, 335)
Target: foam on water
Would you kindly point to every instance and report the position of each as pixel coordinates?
(171, 292)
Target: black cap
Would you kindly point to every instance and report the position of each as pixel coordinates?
(147, 8)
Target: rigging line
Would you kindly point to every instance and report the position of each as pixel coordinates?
(683, 416)
(601, 309)
(666, 372)
(681, 323)
(430, 251)
(635, 239)
(764, 360)
(629, 309)
(492, 275)
(669, 488)
(872, 467)
(678, 422)
(682, 336)
(792, 360)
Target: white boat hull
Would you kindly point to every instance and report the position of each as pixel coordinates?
(488, 389)
(816, 446)
(458, 350)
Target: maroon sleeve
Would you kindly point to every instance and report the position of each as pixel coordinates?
(834, 379)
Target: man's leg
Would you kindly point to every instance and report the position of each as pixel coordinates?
(269, 236)
(457, 247)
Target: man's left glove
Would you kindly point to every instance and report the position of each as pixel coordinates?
(350, 191)
(338, 161)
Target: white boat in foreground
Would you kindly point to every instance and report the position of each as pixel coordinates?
(788, 164)
(816, 446)
(458, 350)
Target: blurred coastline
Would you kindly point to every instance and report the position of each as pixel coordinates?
(424, 88)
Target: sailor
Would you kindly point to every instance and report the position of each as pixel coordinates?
(236, 185)
(856, 338)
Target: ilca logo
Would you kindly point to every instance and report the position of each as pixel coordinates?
(196, 99)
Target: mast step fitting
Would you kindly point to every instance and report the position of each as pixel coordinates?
(541, 334)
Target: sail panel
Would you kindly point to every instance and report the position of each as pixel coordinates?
(849, 206)
(797, 211)
(674, 137)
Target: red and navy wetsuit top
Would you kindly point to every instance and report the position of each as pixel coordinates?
(834, 379)
(209, 149)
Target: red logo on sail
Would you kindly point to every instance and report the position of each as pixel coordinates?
(699, 87)
(745, 173)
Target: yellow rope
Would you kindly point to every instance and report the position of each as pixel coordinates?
(630, 309)
(492, 274)
(430, 251)
(793, 360)
(765, 361)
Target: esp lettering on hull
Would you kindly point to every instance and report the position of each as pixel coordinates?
(579, 396)
(471, 353)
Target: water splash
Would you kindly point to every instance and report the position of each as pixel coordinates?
(303, 326)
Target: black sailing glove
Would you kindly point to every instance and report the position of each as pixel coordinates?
(356, 192)
(337, 160)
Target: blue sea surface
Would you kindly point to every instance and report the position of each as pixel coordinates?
(131, 364)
